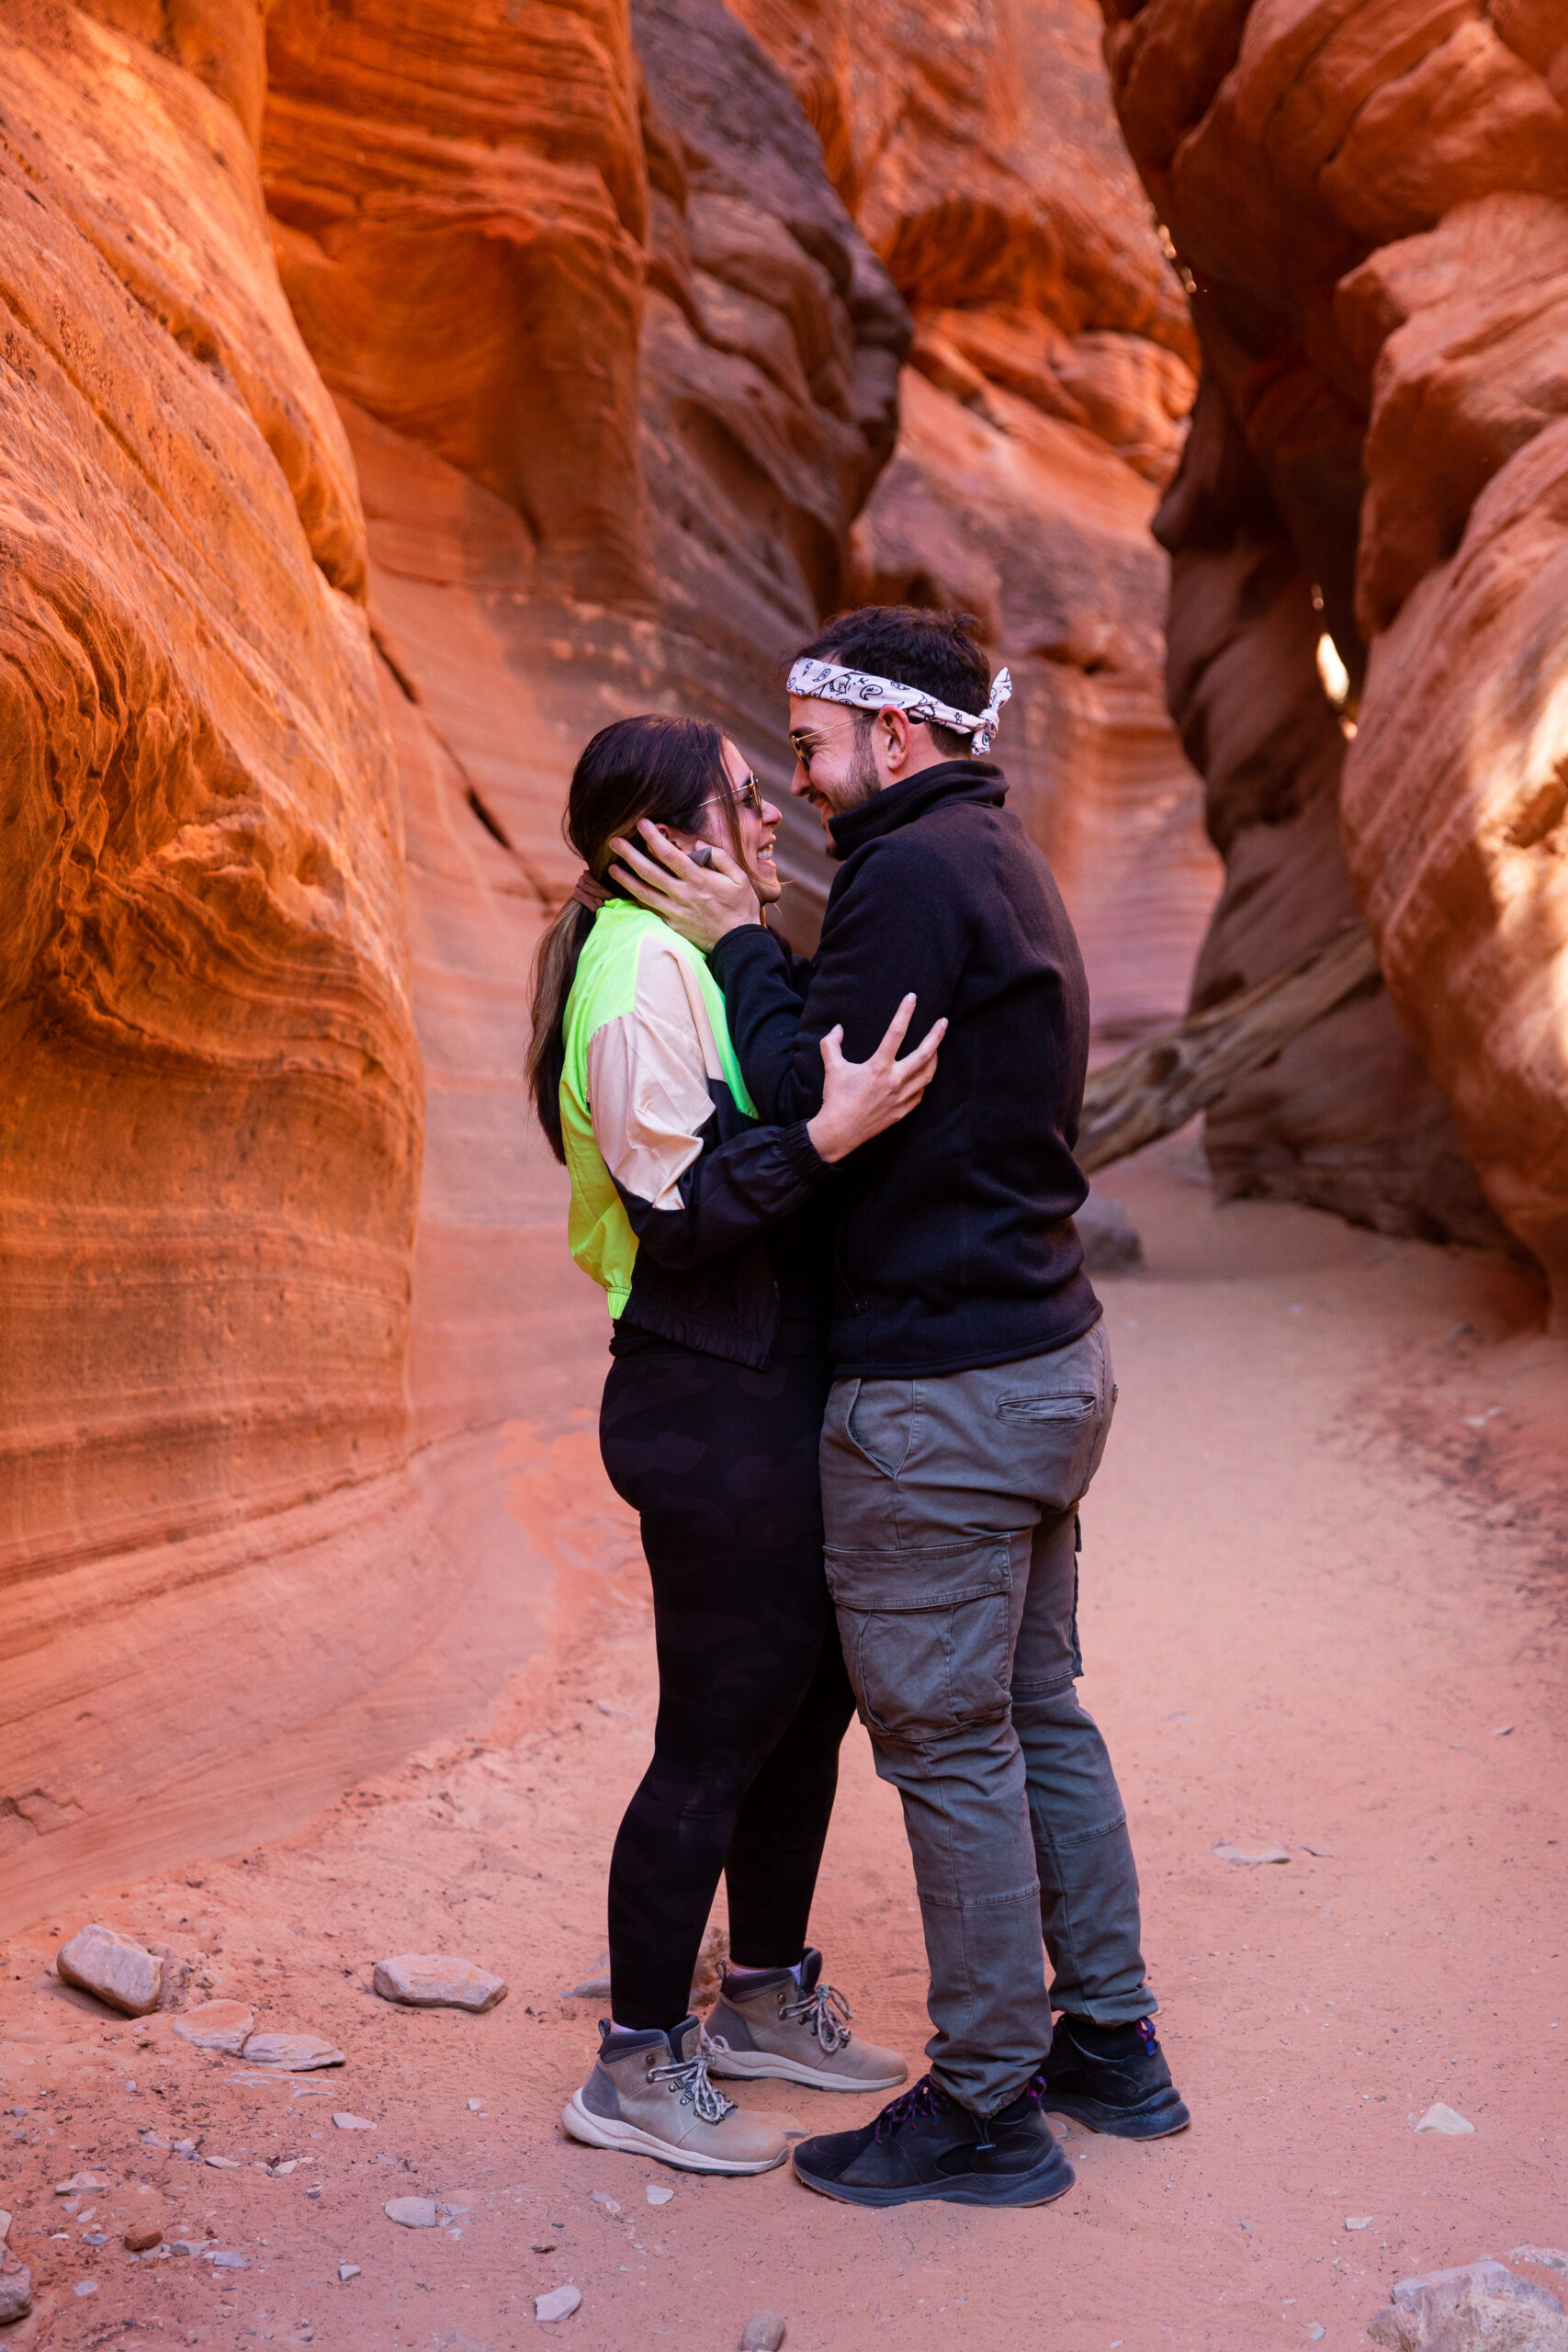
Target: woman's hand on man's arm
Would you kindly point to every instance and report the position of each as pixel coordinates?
(704, 903)
(860, 1099)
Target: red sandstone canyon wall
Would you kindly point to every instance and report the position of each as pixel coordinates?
(1044, 407)
(1370, 208)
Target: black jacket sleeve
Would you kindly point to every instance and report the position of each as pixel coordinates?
(730, 1192)
(893, 923)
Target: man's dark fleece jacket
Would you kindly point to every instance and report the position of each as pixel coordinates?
(955, 1244)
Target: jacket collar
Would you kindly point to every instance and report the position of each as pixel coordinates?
(977, 780)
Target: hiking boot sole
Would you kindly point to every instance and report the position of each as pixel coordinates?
(605, 2131)
(1158, 2121)
(1047, 2182)
(761, 2065)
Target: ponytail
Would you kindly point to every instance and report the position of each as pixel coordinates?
(554, 969)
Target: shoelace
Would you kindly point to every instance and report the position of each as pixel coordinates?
(824, 2012)
(689, 2077)
(921, 2101)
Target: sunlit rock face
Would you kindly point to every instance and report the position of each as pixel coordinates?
(1043, 408)
(210, 1156)
(1372, 206)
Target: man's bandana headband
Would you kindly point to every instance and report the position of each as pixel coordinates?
(825, 681)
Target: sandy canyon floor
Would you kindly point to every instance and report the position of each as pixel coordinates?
(1325, 1604)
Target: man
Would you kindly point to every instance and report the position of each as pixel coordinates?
(972, 1399)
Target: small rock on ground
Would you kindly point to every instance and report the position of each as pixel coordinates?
(594, 1986)
(545, 2245)
(657, 2196)
(293, 2053)
(559, 2303)
(15, 2290)
(79, 2183)
(347, 2122)
(141, 2236)
(101, 1960)
(1439, 2117)
(1239, 1850)
(347, 2270)
(1481, 2302)
(85, 2287)
(603, 2197)
(216, 2025)
(765, 2333)
(412, 2212)
(1545, 2257)
(1358, 2221)
(1110, 1241)
(435, 1980)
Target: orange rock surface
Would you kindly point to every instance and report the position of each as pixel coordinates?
(1043, 406)
(1370, 207)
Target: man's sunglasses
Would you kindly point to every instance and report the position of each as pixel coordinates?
(805, 747)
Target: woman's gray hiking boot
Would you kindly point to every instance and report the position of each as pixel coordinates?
(1114, 2079)
(771, 2026)
(650, 2096)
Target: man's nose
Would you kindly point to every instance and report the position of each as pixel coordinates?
(800, 782)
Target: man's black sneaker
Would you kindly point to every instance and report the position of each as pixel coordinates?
(924, 2145)
(1114, 2079)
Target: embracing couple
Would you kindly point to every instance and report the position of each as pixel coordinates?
(859, 1384)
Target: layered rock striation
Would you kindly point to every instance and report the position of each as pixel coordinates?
(1369, 207)
(1044, 406)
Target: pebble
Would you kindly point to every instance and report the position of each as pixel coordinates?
(659, 2196)
(765, 2333)
(347, 2270)
(1545, 2257)
(80, 2182)
(434, 1981)
(603, 2197)
(101, 1960)
(85, 2287)
(1236, 1850)
(595, 1986)
(1503, 1731)
(187, 2245)
(224, 2164)
(226, 2260)
(1316, 2330)
(142, 2236)
(216, 2025)
(412, 2213)
(1439, 2117)
(1358, 2221)
(347, 2122)
(559, 2303)
(545, 2245)
(293, 2053)
(475, 2107)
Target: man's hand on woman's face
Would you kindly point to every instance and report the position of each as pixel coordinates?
(702, 902)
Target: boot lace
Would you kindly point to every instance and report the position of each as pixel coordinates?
(688, 2078)
(921, 2101)
(824, 2012)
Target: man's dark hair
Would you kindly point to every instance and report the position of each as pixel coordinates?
(914, 647)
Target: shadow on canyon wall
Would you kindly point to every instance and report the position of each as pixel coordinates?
(392, 399)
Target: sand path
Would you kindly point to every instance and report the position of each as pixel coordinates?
(1304, 1624)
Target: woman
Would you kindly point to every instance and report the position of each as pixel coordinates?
(703, 1227)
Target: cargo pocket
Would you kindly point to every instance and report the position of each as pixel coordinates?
(927, 1634)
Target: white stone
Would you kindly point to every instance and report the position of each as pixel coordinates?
(79, 2183)
(224, 2164)
(1237, 1850)
(226, 2260)
(347, 2122)
(1480, 2303)
(1545, 2257)
(559, 2303)
(595, 1986)
(15, 2290)
(101, 1960)
(475, 2107)
(412, 2212)
(603, 2197)
(659, 2196)
(347, 2270)
(295, 2053)
(434, 1981)
(765, 2333)
(216, 2025)
(1439, 2117)
(1358, 2221)
(85, 2287)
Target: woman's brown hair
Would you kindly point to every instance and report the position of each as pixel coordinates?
(666, 769)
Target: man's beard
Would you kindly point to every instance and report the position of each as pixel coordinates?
(862, 784)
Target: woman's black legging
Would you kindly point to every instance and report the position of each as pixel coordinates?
(720, 1464)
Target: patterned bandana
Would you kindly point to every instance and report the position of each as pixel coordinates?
(825, 681)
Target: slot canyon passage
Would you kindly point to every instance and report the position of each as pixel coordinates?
(394, 393)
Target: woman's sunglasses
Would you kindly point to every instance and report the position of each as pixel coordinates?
(747, 794)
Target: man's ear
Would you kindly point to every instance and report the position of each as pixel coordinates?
(891, 742)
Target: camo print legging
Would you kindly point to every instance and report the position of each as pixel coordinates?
(720, 1464)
